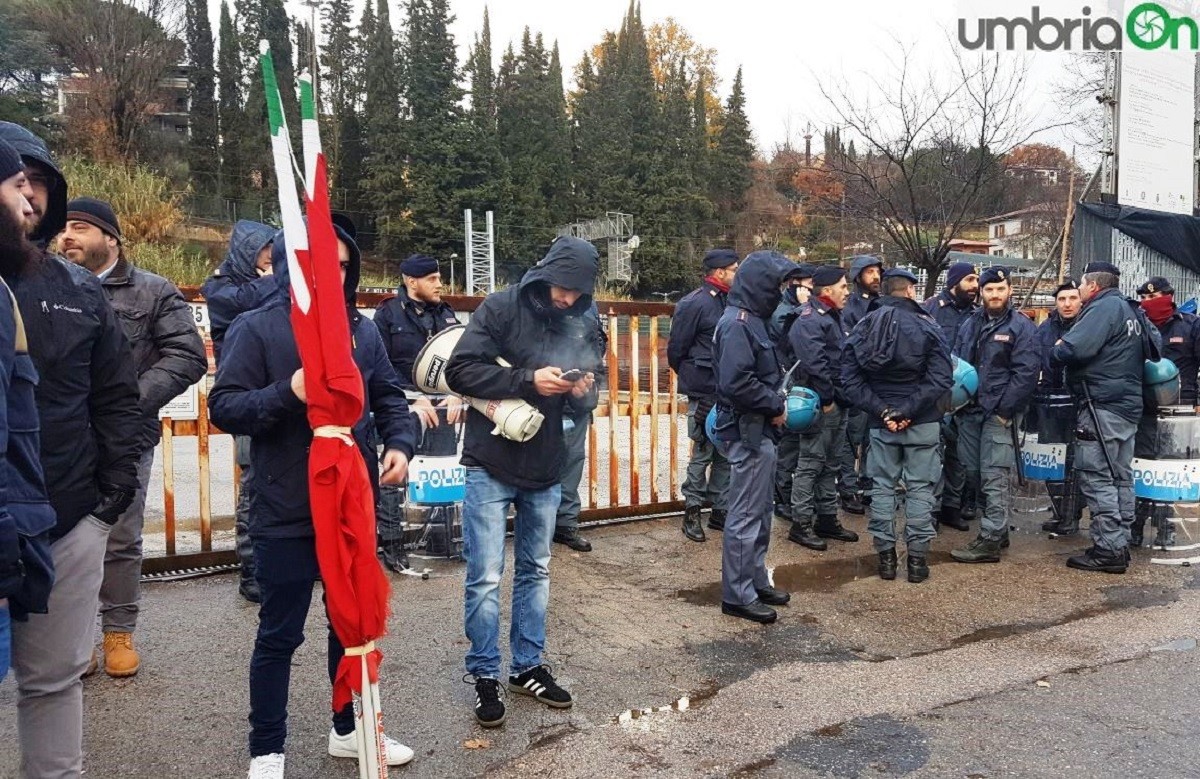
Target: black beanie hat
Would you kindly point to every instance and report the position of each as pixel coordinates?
(94, 212)
(10, 161)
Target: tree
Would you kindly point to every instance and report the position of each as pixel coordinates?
(26, 63)
(932, 149)
(202, 145)
(384, 166)
(267, 20)
(231, 115)
(670, 47)
(339, 87)
(733, 156)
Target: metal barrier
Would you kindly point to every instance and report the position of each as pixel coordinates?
(633, 445)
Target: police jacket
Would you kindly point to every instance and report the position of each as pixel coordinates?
(780, 323)
(857, 305)
(817, 337)
(522, 326)
(253, 396)
(26, 518)
(168, 352)
(236, 287)
(690, 345)
(747, 368)
(1006, 354)
(949, 315)
(405, 326)
(1104, 355)
(907, 369)
(1054, 373)
(1181, 345)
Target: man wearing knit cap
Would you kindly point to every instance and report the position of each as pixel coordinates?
(796, 293)
(854, 485)
(950, 308)
(1181, 345)
(169, 357)
(406, 322)
(690, 355)
(1105, 352)
(1002, 344)
(816, 338)
(91, 437)
(1055, 411)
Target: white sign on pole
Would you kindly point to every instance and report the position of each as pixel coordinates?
(1156, 112)
(186, 405)
(200, 315)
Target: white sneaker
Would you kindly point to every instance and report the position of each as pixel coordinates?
(267, 766)
(347, 746)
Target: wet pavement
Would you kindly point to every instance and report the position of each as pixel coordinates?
(858, 678)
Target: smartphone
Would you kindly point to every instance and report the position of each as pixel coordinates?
(573, 375)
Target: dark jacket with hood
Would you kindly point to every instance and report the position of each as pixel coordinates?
(1103, 352)
(87, 394)
(949, 313)
(168, 352)
(1054, 373)
(405, 326)
(236, 287)
(916, 375)
(690, 345)
(1007, 356)
(522, 326)
(780, 324)
(861, 298)
(253, 396)
(748, 370)
(817, 336)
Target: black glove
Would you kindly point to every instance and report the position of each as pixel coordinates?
(113, 502)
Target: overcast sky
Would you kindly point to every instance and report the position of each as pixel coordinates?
(783, 46)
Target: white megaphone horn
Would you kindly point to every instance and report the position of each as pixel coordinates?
(515, 419)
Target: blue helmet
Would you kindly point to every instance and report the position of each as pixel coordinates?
(710, 425)
(1160, 382)
(966, 383)
(803, 408)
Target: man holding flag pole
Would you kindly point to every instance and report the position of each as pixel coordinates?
(298, 376)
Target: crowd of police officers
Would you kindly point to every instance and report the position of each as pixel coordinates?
(814, 388)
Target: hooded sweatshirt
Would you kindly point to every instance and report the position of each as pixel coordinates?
(33, 149)
(860, 298)
(253, 396)
(235, 287)
(521, 326)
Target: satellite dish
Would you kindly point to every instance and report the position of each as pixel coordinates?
(633, 242)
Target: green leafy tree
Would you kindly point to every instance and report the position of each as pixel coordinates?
(202, 145)
(27, 63)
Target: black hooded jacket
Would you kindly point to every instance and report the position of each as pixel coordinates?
(253, 396)
(87, 394)
(235, 287)
(522, 326)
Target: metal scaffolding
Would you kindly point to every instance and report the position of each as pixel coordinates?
(481, 257)
(617, 229)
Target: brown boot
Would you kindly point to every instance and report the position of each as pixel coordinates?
(120, 658)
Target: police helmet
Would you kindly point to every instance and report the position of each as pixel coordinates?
(966, 383)
(710, 425)
(1160, 382)
(803, 409)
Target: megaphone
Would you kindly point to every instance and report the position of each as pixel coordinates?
(515, 419)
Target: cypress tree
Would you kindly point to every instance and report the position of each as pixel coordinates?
(733, 155)
(231, 116)
(338, 90)
(384, 163)
(202, 145)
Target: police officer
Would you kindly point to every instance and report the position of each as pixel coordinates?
(1181, 345)
(1002, 344)
(796, 292)
(690, 355)
(817, 337)
(406, 322)
(1055, 421)
(750, 411)
(896, 370)
(853, 482)
(1104, 352)
(950, 308)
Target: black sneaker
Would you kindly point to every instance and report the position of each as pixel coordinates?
(489, 709)
(538, 683)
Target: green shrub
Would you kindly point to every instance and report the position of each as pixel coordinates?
(146, 205)
(181, 266)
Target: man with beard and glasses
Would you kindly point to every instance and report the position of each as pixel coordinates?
(950, 308)
(1002, 344)
(169, 357)
(91, 434)
(26, 518)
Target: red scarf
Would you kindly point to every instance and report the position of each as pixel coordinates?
(1159, 310)
(718, 284)
(828, 302)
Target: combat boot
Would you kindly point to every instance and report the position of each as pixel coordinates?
(829, 527)
(691, 524)
(120, 658)
(981, 550)
(951, 516)
(887, 564)
(851, 504)
(716, 520)
(802, 534)
(1101, 560)
(918, 568)
(1164, 528)
(1142, 510)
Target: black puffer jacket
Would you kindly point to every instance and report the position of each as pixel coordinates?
(521, 326)
(87, 394)
(168, 352)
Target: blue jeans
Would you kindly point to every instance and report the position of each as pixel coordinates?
(485, 516)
